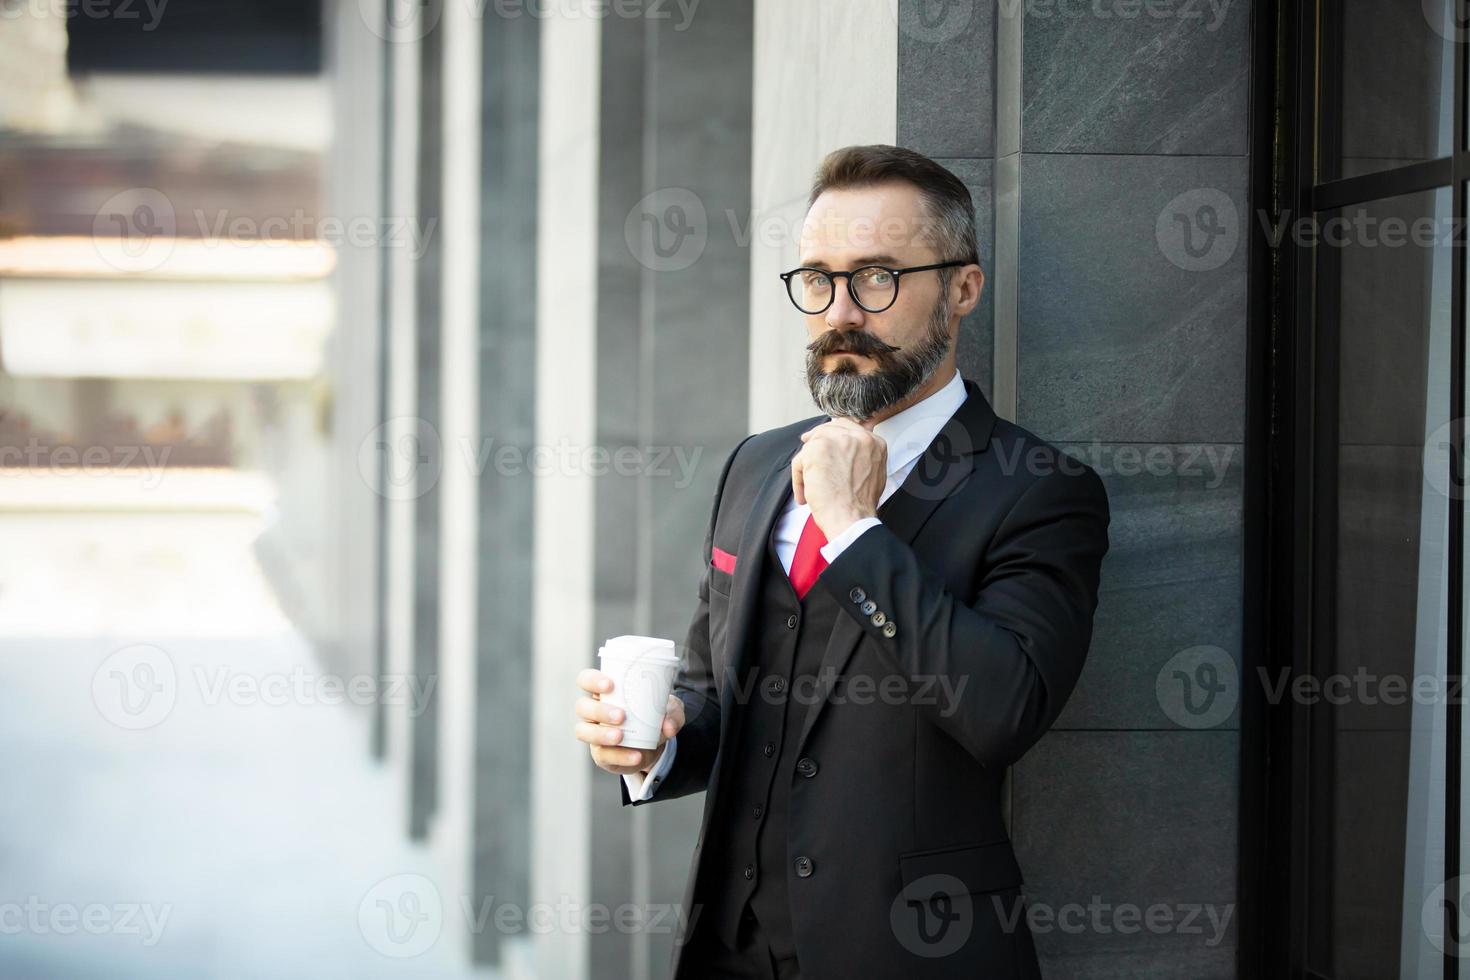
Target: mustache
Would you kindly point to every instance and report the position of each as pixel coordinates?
(856, 342)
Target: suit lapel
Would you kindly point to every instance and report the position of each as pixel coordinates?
(745, 591)
(941, 469)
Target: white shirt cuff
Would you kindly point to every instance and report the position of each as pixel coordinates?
(641, 788)
(837, 545)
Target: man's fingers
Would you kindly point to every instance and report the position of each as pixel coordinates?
(593, 681)
(597, 711)
(620, 761)
(598, 734)
(673, 717)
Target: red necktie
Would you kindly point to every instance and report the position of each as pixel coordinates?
(808, 562)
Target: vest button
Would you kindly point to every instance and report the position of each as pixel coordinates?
(756, 811)
(807, 767)
(791, 621)
(749, 872)
(769, 749)
(778, 684)
(804, 867)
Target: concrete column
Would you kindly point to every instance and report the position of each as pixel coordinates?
(428, 423)
(566, 377)
(402, 437)
(355, 190)
(452, 823)
(505, 402)
(838, 60)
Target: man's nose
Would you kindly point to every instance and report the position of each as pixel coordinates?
(844, 314)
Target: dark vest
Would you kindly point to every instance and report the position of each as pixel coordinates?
(748, 836)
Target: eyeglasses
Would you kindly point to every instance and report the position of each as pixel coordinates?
(873, 287)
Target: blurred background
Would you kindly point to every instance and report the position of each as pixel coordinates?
(365, 363)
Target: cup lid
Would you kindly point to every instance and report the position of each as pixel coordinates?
(644, 646)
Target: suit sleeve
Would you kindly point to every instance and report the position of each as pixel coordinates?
(699, 739)
(1000, 669)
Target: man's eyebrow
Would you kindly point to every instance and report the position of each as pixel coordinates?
(857, 263)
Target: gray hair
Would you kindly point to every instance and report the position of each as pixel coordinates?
(947, 205)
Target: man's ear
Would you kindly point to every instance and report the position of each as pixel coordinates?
(970, 297)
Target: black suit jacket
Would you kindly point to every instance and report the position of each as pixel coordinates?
(973, 604)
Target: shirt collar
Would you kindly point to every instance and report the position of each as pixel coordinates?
(910, 432)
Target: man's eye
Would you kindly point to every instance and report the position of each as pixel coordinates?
(815, 279)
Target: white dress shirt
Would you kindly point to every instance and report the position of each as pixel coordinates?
(907, 433)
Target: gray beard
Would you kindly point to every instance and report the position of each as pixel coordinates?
(847, 393)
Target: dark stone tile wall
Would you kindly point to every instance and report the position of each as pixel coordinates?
(946, 98)
(1118, 151)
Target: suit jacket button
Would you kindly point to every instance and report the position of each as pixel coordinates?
(868, 607)
(807, 767)
(749, 872)
(857, 594)
(879, 618)
(889, 629)
(769, 749)
(791, 621)
(804, 867)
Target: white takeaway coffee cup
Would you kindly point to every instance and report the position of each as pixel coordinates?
(642, 669)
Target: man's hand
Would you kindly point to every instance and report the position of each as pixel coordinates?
(841, 472)
(598, 727)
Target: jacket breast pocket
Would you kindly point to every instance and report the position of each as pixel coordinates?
(986, 867)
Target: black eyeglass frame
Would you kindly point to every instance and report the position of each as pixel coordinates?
(897, 275)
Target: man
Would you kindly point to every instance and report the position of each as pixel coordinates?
(897, 602)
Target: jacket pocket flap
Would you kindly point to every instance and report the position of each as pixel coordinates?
(984, 867)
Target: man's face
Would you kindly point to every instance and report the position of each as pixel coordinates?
(859, 362)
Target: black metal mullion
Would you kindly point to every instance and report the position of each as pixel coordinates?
(1262, 883)
(1317, 654)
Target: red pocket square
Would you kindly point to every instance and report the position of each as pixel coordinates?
(722, 560)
